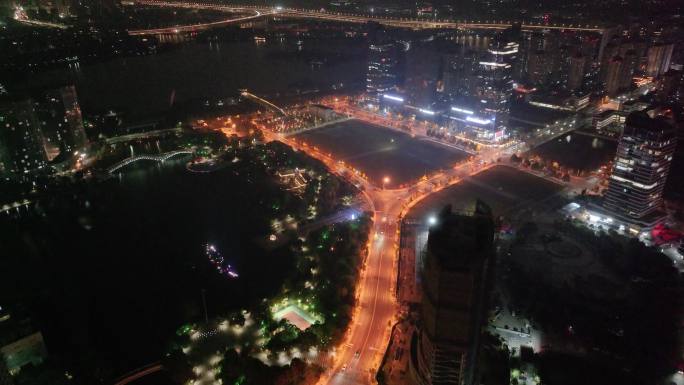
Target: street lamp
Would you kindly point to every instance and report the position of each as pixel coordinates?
(385, 180)
(432, 220)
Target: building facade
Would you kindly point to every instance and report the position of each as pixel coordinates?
(640, 170)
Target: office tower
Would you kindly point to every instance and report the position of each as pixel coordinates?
(459, 249)
(383, 67)
(658, 59)
(613, 76)
(76, 138)
(495, 83)
(640, 169)
(576, 66)
(482, 112)
(21, 141)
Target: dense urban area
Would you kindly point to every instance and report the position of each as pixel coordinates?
(341, 192)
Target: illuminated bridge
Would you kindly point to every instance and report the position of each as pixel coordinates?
(254, 14)
(354, 18)
(157, 158)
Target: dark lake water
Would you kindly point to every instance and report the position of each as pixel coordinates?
(144, 86)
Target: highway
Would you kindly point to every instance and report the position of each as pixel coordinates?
(354, 18)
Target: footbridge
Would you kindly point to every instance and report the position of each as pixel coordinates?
(161, 158)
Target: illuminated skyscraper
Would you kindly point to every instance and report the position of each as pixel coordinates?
(383, 67)
(495, 85)
(445, 347)
(640, 169)
(482, 110)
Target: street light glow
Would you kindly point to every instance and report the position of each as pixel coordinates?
(432, 220)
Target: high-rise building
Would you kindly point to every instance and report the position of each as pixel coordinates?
(458, 72)
(630, 61)
(640, 169)
(538, 67)
(482, 111)
(495, 85)
(576, 66)
(21, 141)
(658, 59)
(383, 66)
(671, 87)
(455, 276)
(613, 76)
(61, 122)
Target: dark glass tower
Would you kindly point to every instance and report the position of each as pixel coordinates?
(459, 249)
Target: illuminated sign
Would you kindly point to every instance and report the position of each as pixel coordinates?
(392, 97)
(492, 64)
(462, 110)
(504, 52)
(477, 120)
(426, 111)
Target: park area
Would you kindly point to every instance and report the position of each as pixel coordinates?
(578, 152)
(381, 152)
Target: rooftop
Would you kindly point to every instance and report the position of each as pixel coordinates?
(459, 240)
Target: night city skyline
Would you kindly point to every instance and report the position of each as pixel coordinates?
(341, 192)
